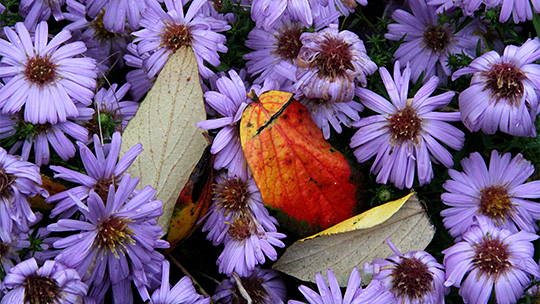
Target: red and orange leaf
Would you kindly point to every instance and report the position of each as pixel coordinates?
(298, 172)
(193, 202)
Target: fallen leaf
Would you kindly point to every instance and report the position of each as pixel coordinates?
(359, 240)
(37, 203)
(300, 175)
(165, 125)
(193, 201)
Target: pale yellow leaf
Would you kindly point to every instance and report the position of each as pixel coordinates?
(165, 125)
(359, 240)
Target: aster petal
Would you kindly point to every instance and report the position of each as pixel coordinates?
(223, 137)
(374, 101)
(528, 190)
(438, 151)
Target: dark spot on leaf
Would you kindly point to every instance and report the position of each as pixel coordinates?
(332, 150)
(188, 79)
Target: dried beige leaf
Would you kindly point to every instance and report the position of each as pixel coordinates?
(359, 240)
(165, 125)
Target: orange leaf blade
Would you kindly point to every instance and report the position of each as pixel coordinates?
(297, 171)
(193, 201)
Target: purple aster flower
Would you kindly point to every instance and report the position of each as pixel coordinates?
(50, 283)
(467, 7)
(138, 78)
(413, 277)
(246, 245)
(230, 99)
(427, 44)
(275, 52)
(521, 10)
(347, 6)
(111, 113)
(106, 47)
(498, 193)
(40, 136)
(214, 8)
(504, 91)
(115, 241)
(44, 77)
(34, 11)
(262, 286)
(165, 32)
(9, 256)
(103, 171)
(331, 64)
(233, 197)
(491, 258)
(183, 292)
(326, 113)
(406, 133)
(116, 12)
(354, 294)
(267, 14)
(19, 180)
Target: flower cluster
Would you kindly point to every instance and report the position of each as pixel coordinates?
(404, 135)
(239, 220)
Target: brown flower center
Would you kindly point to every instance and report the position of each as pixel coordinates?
(505, 82)
(5, 183)
(491, 257)
(114, 235)
(4, 249)
(232, 195)
(101, 32)
(405, 124)
(288, 42)
(335, 58)
(241, 229)
(102, 187)
(436, 38)
(175, 36)
(218, 5)
(411, 278)
(40, 70)
(40, 290)
(495, 202)
(253, 286)
(350, 3)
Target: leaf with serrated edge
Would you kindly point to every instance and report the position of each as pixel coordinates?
(165, 125)
(359, 240)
